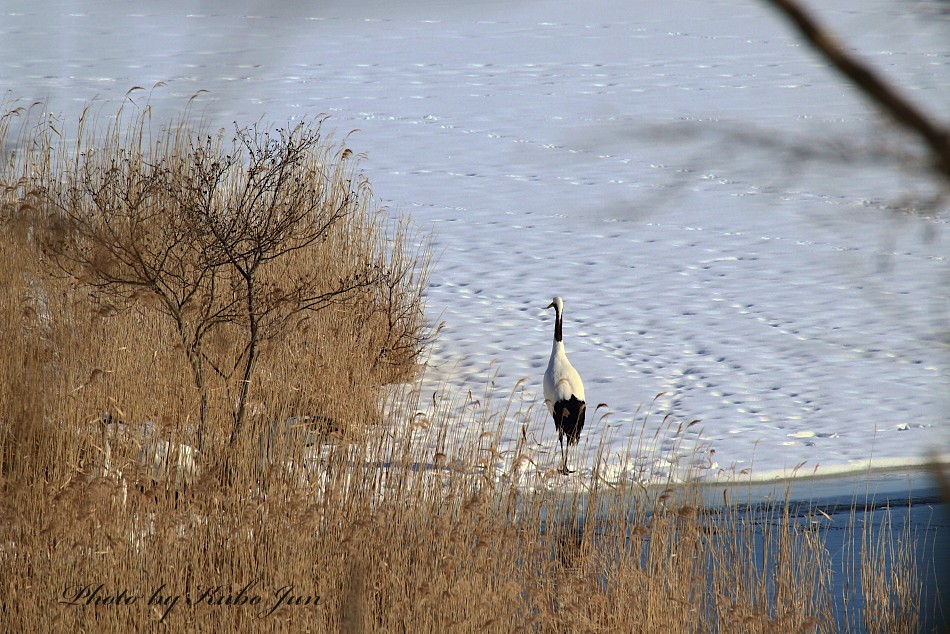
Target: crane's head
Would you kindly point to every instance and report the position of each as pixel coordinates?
(556, 303)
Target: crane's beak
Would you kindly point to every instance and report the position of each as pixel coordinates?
(551, 305)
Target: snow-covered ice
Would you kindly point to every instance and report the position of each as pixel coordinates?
(777, 300)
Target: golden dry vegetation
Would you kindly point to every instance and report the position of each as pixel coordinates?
(151, 481)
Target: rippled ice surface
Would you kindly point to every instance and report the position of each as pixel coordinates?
(774, 298)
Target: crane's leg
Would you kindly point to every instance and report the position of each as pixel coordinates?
(564, 451)
(560, 437)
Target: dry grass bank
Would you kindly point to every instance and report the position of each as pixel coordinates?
(116, 524)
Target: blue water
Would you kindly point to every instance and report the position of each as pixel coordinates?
(885, 510)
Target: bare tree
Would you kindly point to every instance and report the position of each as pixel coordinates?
(264, 202)
(219, 241)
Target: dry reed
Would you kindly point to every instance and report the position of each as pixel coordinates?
(331, 521)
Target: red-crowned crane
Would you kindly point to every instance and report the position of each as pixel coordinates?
(563, 389)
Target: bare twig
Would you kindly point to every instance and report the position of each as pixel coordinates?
(934, 134)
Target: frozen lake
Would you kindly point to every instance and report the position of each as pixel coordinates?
(591, 150)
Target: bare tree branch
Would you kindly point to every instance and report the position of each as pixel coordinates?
(934, 134)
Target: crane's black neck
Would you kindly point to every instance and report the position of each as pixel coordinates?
(558, 326)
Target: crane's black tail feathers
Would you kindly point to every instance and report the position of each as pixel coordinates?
(569, 418)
